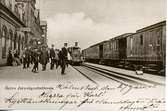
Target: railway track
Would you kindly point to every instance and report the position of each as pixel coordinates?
(111, 72)
(118, 77)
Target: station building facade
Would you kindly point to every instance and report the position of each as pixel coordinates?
(32, 22)
(43, 25)
(19, 26)
(11, 20)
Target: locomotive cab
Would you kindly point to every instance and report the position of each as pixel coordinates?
(75, 53)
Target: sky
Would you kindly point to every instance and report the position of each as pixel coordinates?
(91, 21)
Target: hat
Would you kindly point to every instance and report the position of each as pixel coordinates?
(52, 45)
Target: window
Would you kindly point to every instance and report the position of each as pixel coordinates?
(15, 40)
(19, 42)
(158, 37)
(131, 45)
(10, 5)
(4, 37)
(141, 39)
(11, 38)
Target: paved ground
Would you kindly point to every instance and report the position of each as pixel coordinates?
(25, 75)
(20, 89)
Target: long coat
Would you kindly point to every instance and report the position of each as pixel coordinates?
(44, 57)
(52, 53)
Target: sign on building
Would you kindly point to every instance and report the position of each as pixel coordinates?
(24, 29)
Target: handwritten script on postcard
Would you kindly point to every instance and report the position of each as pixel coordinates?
(64, 96)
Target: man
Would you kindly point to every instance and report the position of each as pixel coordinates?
(35, 59)
(52, 57)
(10, 58)
(57, 58)
(44, 57)
(26, 58)
(63, 57)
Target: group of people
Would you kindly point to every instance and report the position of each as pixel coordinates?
(42, 55)
(14, 58)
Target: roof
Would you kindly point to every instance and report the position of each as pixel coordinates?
(99, 43)
(152, 26)
(122, 36)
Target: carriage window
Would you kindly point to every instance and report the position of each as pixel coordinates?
(158, 41)
(131, 45)
(141, 39)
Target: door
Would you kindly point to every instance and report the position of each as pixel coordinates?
(101, 51)
(122, 48)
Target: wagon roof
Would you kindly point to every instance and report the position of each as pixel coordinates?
(99, 43)
(122, 36)
(152, 26)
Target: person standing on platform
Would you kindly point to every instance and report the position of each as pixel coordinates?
(24, 58)
(44, 57)
(57, 58)
(10, 58)
(68, 58)
(63, 58)
(28, 57)
(35, 59)
(17, 57)
(52, 57)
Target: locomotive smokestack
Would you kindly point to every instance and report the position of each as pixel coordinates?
(76, 44)
(65, 44)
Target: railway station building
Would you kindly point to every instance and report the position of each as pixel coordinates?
(19, 26)
(12, 18)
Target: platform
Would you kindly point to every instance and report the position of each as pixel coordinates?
(21, 88)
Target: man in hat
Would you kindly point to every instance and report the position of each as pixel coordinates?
(26, 58)
(57, 58)
(52, 57)
(63, 57)
(44, 57)
(35, 59)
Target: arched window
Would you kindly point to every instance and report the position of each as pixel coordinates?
(23, 43)
(11, 38)
(15, 40)
(19, 42)
(4, 38)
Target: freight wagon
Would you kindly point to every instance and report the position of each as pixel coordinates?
(143, 49)
(147, 46)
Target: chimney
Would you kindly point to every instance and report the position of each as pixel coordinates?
(76, 44)
(65, 44)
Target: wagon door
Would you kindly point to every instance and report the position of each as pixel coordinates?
(101, 51)
(122, 46)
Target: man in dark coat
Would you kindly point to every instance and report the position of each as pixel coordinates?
(26, 58)
(44, 57)
(63, 57)
(57, 58)
(52, 57)
(35, 59)
(10, 58)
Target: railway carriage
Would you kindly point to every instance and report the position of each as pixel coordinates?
(114, 50)
(93, 54)
(145, 48)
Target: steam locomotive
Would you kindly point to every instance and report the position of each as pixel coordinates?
(75, 53)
